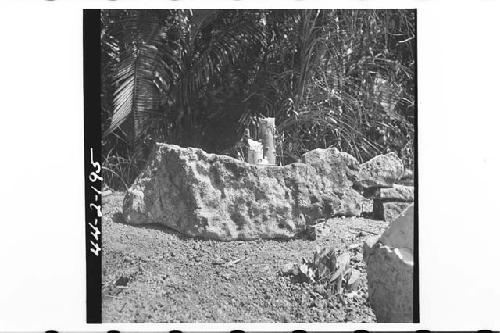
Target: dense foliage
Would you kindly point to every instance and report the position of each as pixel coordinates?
(343, 78)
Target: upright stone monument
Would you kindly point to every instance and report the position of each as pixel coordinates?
(255, 152)
(266, 134)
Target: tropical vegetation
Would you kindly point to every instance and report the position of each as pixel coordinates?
(199, 78)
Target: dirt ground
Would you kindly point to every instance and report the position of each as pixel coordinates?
(152, 274)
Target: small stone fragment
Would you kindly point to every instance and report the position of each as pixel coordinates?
(395, 193)
(353, 279)
(388, 211)
(290, 269)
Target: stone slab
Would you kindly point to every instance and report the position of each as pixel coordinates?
(388, 211)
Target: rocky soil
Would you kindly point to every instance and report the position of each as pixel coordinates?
(152, 274)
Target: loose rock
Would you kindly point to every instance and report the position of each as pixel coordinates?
(395, 193)
(388, 211)
(389, 266)
(380, 171)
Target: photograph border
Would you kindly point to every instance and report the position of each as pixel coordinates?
(92, 153)
(93, 139)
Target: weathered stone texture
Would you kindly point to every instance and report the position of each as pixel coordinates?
(407, 179)
(216, 196)
(388, 211)
(380, 171)
(339, 167)
(400, 232)
(389, 266)
(395, 193)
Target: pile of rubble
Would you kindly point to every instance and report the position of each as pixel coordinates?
(219, 197)
(384, 180)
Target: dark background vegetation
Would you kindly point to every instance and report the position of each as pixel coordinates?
(198, 78)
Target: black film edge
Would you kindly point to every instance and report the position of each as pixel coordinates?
(92, 153)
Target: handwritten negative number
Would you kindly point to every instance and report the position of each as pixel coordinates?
(94, 176)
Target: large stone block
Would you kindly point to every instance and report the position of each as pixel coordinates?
(389, 267)
(380, 171)
(219, 197)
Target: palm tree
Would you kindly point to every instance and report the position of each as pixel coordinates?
(196, 77)
(163, 61)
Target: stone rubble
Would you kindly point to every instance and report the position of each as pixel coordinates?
(389, 203)
(380, 171)
(218, 197)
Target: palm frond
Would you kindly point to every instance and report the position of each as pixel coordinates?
(135, 92)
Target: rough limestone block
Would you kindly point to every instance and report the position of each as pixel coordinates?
(388, 211)
(395, 193)
(219, 197)
(389, 267)
(380, 171)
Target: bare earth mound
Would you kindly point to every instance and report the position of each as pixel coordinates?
(151, 274)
